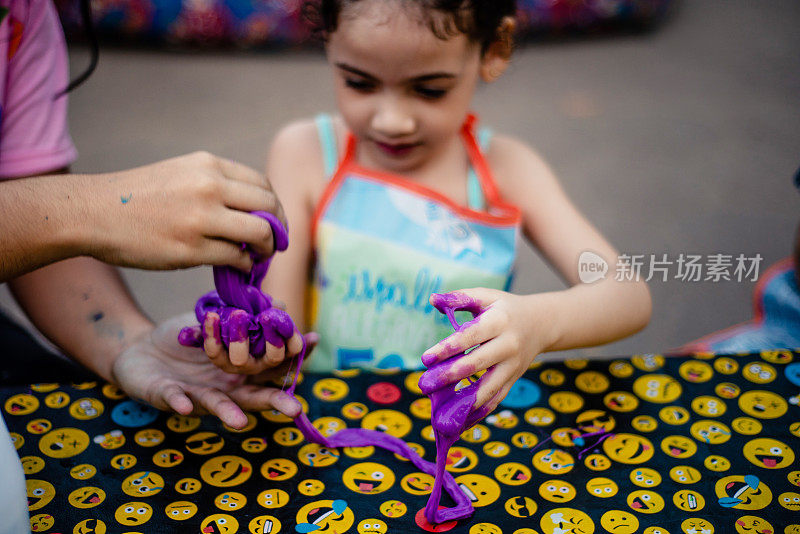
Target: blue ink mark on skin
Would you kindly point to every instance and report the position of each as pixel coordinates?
(127, 199)
(97, 316)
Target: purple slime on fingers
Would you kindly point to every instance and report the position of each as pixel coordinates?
(247, 313)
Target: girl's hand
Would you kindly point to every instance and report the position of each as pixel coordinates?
(238, 359)
(511, 331)
(159, 371)
(182, 212)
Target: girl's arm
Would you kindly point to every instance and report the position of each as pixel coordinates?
(514, 329)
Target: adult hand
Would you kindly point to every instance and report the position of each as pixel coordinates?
(186, 211)
(159, 371)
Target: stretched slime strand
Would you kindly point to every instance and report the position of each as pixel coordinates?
(246, 312)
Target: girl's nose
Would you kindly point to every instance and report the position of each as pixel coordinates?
(391, 120)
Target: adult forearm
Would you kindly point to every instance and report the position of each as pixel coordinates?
(40, 222)
(84, 308)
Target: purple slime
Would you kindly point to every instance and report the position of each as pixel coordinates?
(245, 312)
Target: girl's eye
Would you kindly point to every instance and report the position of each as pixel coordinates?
(429, 92)
(359, 85)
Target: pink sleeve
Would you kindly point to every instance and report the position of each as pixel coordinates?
(34, 137)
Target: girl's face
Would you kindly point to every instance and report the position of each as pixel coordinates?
(401, 90)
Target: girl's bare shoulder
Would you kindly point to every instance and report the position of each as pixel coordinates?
(516, 164)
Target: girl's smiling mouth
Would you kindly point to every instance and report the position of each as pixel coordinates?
(396, 150)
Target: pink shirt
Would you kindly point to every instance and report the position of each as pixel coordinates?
(34, 137)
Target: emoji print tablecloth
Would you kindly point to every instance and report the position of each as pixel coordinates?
(649, 444)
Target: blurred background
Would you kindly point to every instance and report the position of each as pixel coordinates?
(674, 126)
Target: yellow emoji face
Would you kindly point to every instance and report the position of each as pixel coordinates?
(226, 471)
(417, 483)
(628, 448)
(602, 487)
(86, 497)
(655, 530)
(90, 526)
(328, 426)
(86, 408)
(597, 462)
(123, 461)
(110, 440)
(595, 421)
(790, 500)
(56, 400)
(311, 487)
(39, 426)
(727, 390)
(566, 436)
(143, 484)
(660, 389)
(83, 472)
(553, 461)
(674, 415)
(204, 443)
(762, 404)
(592, 382)
(315, 455)
(688, 500)
(759, 372)
(421, 408)
(750, 524)
(503, 419)
(187, 486)
(708, 406)
(552, 377)
(684, 474)
(522, 507)
(330, 389)
(540, 416)
(219, 524)
(21, 404)
(42, 522)
(168, 458)
(645, 501)
(747, 426)
(768, 453)
(180, 510)
(495, 449)
(182, 423)
(354, 410)
(278, 469)
(273, 498)
(620, 369)
(644, 423)
(31, 464)
(645, 477)
(485, 528)
(621, 401)
(368, 478)
(710, 432)
(557, 491)
(512, 474)
(565, 401)
(364, 452)
(64, 442)
(112, 392)
(696, 371)
(40, 492)
(678, 446)
(393, 509)
(288, 436)
(230, 501)
(619, 522)
(274, 416)
(481, 490)
(566, 521)
(717, 463)
(477, 434)
(264, 524)
(697, 525)
(371, 526)
(325, 517)
(254, 445)
(524, 440)
(390, 422)
(412, 382)
(742, 492)
(726, 365)
(133, 514)
(461, 459)
(648, 362)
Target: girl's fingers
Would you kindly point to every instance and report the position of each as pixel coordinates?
(493, 383)
(239, 353)
(219, 404)
(454, 370)
(240, 227)
(274, 356)
(481, 329)
(174, 397)
(257, 398)
(212, 339)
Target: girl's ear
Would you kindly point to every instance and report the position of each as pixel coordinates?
(497, 56)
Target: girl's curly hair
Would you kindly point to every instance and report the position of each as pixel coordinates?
(479, 20)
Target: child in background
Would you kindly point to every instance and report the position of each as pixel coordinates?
(400, 196)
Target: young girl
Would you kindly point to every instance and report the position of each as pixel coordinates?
(401, 195)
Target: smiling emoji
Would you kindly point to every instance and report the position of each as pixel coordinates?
(390, 422)
(368, 478)
(324, 517)
(417, 483)
(40, 493)
(645, 501)
(628, 448)
(86, 497)
(678, 446)
(393, 509)
(219, 524)
(481, 490)
(226, 471)
(768, 453)
(742, 492)
(278, 469)
(512, 474)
